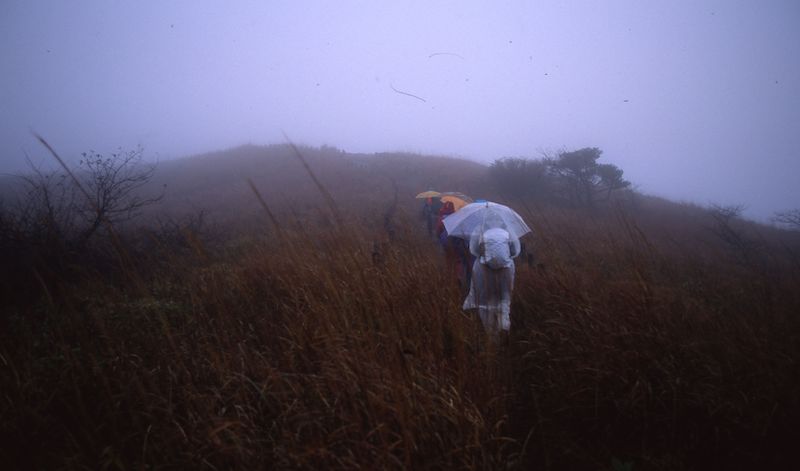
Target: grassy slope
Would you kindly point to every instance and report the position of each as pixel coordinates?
(638, 336)
(217, 181)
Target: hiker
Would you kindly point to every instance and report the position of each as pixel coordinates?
(492, 277)
(430, 211)
(466, 259)
(448, 244)
(458, 259)
(447, 209)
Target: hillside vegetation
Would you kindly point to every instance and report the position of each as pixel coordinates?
(308, 322)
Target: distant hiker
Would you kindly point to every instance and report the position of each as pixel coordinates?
(492, 277)
(458, 259)
(430, 211)
(448, 244)
(456, 252)
(426, 214)
(447, 209)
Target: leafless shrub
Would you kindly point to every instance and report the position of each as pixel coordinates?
(54, 211)
(725, 229)
(113, 183)
(789, 219)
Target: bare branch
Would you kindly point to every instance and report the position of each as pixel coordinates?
(790, 218)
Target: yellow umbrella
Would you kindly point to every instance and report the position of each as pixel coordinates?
(428, 194)
(458, 194)
(458, 201)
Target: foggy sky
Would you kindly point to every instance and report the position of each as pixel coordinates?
(694, 100)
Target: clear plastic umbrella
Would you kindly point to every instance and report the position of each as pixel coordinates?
(486, 215)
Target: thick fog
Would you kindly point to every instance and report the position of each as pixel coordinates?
(694, 100)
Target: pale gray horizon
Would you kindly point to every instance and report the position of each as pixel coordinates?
(695, 100)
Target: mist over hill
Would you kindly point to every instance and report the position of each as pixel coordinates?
(363, 185)
(217, 182)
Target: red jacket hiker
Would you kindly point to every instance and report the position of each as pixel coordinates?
(446, 209)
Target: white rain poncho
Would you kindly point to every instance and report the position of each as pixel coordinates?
(492, 277)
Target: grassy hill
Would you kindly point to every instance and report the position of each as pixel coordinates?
(330, 335)
(356, 181)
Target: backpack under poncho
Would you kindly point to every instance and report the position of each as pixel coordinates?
(496, 251)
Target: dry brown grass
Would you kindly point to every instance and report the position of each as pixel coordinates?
(322, 348)
(292, 357)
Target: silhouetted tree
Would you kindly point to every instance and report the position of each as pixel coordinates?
(582, 178)
(112, 184)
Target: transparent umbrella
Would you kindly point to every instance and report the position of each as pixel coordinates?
(484, 216)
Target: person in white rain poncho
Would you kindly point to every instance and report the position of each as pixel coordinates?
(493, 231)
(492, 277)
